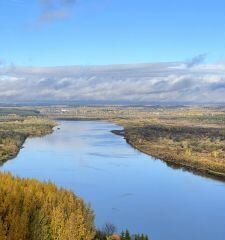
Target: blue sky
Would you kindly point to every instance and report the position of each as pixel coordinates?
(99, 32)
(181, 42)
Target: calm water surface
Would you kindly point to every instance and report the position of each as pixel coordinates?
(124, 186)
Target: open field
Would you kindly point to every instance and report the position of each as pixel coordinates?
(15, 112)
(189, 137)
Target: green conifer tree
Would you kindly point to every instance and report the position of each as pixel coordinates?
(127, 235)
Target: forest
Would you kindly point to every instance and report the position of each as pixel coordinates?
(30, 210)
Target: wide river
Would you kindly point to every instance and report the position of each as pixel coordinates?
(124, 186)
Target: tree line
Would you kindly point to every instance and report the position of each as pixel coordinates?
(30, 210)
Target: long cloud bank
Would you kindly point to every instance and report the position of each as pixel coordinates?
(142, 83)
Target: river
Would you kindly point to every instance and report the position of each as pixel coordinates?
(124, 186)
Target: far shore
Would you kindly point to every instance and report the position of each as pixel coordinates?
(176, 164)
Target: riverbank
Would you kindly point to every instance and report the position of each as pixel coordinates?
(14, 133)
(175, 152)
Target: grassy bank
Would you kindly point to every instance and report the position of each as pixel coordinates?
(194, 148)
(14, 132)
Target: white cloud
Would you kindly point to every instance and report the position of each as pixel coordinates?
(148, 83)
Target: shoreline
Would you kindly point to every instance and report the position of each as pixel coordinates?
(20, 146)
(173, 163)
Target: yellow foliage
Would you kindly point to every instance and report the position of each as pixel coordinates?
(30, 210)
